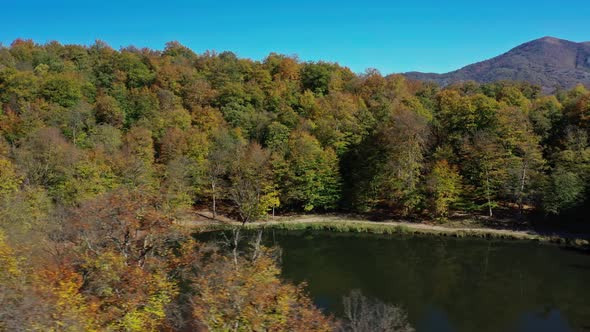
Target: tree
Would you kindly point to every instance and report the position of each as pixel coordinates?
(524, 162)
(62, 90)
(365, 314)
(178, 187)
(106, 138)
(564, 191)
(402, 139)
(568, 179)
(444, 187)
(138, 152)
(24, 215)
(251, 188)
(9, 180)
(108, 111)
(40, 300)
(88, 179)
(130, 297)
(458, 116)
(312, 180)
(69, 311)
(172, 145)
(74, 122)
(545, 114)
(138, 74)
(12, 292)
(47, 159)
(341, 120)
(224, 148)
(140, 103)
(316, 77)
(486, 160)
(251, 298)
(277, 136)
(176, 49)
(126, 222)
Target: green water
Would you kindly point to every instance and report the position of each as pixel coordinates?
(445, 284)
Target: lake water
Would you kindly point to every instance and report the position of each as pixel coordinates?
(445, 284)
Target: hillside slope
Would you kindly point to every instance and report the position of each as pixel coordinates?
(548, 62)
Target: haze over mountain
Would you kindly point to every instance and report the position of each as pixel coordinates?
(549, 62)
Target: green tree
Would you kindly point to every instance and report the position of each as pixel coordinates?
(485, 167)
(444, 187)
(312, 180)
(138, 73)
(568, 180)
(277, 136)
(224, 148)
(524, 162)
(108, 111)
(63, 90)
(138, 157)
(545, 115)
(316, 76)
(564, 191)
(399, 171)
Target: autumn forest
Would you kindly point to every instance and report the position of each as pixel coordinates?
(103, 151)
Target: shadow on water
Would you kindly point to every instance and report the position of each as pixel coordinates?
(579, 250)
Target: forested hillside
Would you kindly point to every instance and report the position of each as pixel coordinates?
(78, 122)
(100, 149)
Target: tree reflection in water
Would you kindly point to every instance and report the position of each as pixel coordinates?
(364, 314)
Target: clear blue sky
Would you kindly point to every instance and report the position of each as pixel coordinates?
(392, 36)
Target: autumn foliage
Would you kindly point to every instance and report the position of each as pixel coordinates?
(103, 150)
(119, 264)
(251, 297)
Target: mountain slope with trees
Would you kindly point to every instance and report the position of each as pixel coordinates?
(78, 122)
(548, 62)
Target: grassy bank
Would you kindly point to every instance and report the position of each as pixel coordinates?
(339, 224)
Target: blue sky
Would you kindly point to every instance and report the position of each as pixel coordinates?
(392, 36)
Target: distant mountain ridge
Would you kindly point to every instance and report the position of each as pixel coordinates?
(549, 62)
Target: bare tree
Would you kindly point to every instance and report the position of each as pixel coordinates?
(363, 314)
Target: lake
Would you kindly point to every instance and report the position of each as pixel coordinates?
(445, 284)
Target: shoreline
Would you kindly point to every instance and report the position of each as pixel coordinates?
(345, 224)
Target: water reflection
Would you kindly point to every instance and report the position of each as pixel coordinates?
(435, 319)
(542, 322)
(364, 314)
(446, 284)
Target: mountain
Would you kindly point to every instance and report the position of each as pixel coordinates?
(548, 62)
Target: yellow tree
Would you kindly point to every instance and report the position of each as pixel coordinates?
(251, 187)
(9, 180)
(251, 297)
(444, 186)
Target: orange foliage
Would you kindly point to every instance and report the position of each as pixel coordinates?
(251, 297)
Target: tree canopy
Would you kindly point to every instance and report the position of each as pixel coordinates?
(101, 149)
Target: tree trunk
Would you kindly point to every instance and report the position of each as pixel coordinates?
(488, 193)
(257, 243)
(214, 206)
(236, 240)
(522, 183)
